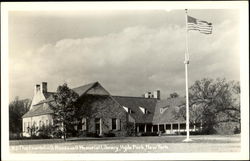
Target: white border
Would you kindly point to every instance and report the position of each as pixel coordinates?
(244, 75)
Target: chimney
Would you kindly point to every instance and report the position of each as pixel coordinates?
(37, 88)
(44, 87)
(157, 94)
(148, 95)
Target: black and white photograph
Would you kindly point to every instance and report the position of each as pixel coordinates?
(124, 80)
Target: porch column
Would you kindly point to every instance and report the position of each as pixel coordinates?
(171, 128)
(100, 126)
(137, 127)
(165, 128)
(152, 128)
(145, 128)
(158, 127)
(194, 127)
(179, 127)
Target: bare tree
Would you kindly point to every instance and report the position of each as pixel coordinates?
(213, 102)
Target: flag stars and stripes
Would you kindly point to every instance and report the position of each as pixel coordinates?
(199, 25)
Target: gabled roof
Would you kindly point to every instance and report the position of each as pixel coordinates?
(39, 109)
(168, 107)
(48, 95)
(159, 111)
(43, 107)
(83, 89)
(134, 103)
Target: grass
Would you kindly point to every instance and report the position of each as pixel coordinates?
(211, 143)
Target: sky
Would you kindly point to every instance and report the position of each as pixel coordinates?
(129, 52)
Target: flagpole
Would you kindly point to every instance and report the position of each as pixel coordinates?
(186, 62)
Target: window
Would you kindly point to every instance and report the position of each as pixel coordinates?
(40, 124)
(25, 127)
(75, 127)
(34, 124)
(97, 125)
(113, 123)
(50, 122)
(84, 124)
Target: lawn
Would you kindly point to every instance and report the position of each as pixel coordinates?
(156, 144)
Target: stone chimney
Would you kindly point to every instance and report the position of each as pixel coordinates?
(147, 95)
(44, 87)
(157, 94)
(37, 89)
(39, 93)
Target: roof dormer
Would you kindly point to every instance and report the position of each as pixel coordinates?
(127, 109)
(144, 110)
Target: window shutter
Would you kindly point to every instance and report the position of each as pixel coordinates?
(117, 124)
(84, 123)
(110, 124)
(120, 124)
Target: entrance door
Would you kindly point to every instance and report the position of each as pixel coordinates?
(97, 126)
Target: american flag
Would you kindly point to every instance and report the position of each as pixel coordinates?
(199, 25)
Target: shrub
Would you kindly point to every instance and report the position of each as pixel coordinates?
(149, 134)
(131, 129)
(236, 130)
(227, 128)
(57, 133)
(191, 133)
(92, 134)
(109, 134)
(45, 132)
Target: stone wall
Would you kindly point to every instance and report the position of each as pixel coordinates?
(105, 108)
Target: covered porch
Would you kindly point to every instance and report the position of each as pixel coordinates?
(166, 128)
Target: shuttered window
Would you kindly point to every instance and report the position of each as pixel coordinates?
(25, 127)
(84, 124)
(118, 122)
(110, 124)
(114, 124)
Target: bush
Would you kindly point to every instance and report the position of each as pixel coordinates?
(109, 134)
(92, 134)
(15, 136)
(191, 133)
(131, 129)
(45, 132)
(236, 130)
(149, 134)
(228, 128)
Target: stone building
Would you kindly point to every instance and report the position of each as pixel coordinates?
(109, 114)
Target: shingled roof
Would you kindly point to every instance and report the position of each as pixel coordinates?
(40, 109)
(43, 107)
(83, 89)
(159, 111)
(134, 103)
(165, 108)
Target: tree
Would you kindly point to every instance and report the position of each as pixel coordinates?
(17, 109)
(65, 109)
(213, 102)
(174, 95)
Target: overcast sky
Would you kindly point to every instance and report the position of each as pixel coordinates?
(128, 52)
